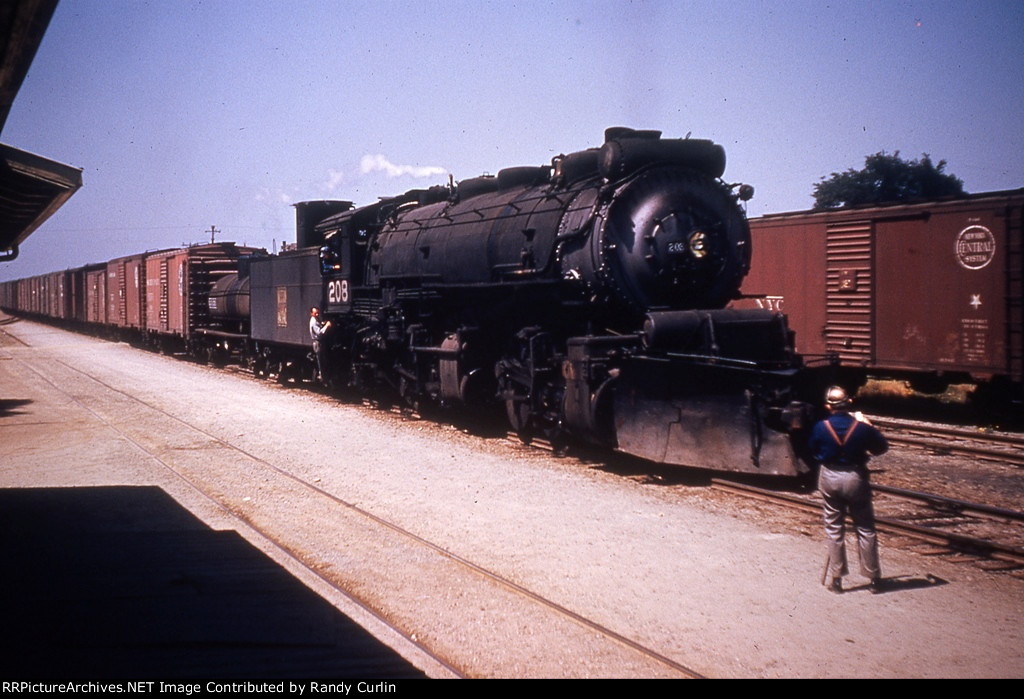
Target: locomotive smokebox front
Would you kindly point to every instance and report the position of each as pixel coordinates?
(672, 239)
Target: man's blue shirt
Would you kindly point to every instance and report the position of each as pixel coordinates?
(864, 440)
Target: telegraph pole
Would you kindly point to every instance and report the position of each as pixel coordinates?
(213, 232)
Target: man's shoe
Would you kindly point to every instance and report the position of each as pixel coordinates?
(836, 586)
(875, 586)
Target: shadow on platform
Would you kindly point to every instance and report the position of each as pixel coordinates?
(11, 406)
(122, 582)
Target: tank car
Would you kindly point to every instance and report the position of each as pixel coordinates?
(586, 296)
(929, 292)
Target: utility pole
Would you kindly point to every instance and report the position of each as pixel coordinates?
(213, 232)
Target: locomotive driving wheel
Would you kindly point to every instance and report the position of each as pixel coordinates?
(519, 413)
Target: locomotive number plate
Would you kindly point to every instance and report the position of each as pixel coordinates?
(337, 291)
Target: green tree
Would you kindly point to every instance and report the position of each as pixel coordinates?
(887, 178)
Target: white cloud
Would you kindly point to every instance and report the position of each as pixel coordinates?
(334, 179)
(373, 163)
(275, 196)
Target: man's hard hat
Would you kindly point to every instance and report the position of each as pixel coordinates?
(835, 397)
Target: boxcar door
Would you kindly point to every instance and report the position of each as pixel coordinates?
(850, 297)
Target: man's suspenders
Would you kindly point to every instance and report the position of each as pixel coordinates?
(846, 437)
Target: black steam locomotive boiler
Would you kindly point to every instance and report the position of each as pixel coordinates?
(586, 295)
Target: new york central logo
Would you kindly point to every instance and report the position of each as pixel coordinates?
(975, 247)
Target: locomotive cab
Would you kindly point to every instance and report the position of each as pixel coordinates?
(329, 225)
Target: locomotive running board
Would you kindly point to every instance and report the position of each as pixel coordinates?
(698, 417)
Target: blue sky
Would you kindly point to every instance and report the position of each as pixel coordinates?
(185, 114)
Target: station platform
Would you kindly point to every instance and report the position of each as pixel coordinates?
(106, 575)
(147, 529)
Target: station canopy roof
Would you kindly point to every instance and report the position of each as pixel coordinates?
(31, 187)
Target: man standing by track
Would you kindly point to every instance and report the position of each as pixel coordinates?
(316, 330)
(841, 444)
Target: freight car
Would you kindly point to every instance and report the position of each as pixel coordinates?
(929, 292)
(160, 298)
(177, 313)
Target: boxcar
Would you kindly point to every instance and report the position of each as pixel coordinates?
(96, 293)
(78, 295)
(126, 299)
(60, 291)
(927, 291)
(178, 284)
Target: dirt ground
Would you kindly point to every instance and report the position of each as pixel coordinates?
(703, 581)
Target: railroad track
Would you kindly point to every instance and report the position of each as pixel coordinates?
(998, 447)
(930, 518)
(940, 523)
(113, 411)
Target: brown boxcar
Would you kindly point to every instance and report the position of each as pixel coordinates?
(37, 294)
(125, 297)
(48, 295)
(96, 293)
(178, 286)
(927, 291)
(58, 295)
(30, 295)
(78, 295)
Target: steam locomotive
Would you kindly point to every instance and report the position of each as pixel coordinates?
(585, 296)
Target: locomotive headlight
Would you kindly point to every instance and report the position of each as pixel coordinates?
(698, 244)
